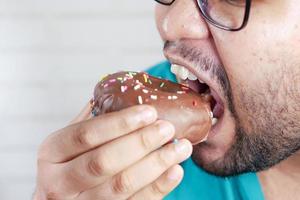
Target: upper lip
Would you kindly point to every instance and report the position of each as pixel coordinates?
(201, 75)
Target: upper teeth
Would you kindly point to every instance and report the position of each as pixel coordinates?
(182, 72)
(192, 77)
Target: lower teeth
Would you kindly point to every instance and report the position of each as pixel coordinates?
(214, 121)
(211, 115)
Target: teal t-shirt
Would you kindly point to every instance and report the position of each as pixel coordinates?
(199, 185)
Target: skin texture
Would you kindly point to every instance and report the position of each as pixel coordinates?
(258, 72)
(103, 157)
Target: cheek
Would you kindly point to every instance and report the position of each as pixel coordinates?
(268, 41)
(254, 57)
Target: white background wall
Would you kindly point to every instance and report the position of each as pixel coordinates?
(52, 53)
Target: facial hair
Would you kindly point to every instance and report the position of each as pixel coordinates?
(273, 117)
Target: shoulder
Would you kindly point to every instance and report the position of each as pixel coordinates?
(198, 184)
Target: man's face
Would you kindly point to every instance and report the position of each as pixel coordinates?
(256, 72)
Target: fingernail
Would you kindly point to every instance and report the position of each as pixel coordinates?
(173, 175)
(182, 147)
(147, 113)
(166, 129)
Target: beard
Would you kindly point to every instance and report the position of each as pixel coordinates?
(250, 152)
(267, 119)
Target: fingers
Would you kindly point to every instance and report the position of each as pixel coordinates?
(85, 113)
(162, 186)
(94, 167)
(143, 173)
(79, 138)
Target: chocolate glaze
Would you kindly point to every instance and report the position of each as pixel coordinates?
(187, 110)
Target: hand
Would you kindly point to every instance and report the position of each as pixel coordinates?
(116, 156)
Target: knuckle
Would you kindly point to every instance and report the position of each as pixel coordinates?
(82, 137)
(94, 168)
(146, 141)
(124, 123)
(157, 189)
(163, 159)
(99, 166)
(122, 184)
(52, 195)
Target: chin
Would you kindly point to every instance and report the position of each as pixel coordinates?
(211, 154)
(211, 160)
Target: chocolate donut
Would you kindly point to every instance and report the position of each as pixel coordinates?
(187, 110)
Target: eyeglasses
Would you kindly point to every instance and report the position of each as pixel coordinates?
(229, 15)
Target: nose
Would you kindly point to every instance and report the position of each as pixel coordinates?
(181, 20)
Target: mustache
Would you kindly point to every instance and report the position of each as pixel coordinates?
(204, 63)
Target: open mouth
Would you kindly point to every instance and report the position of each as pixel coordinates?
(194, 82)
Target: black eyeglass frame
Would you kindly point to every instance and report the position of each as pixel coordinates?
(213, 22)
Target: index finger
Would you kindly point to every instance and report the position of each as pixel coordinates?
(79, 138)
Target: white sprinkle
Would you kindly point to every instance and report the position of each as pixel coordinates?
(180, 92)
(145, 91)
(123, 88)
(140, 99)
(155, 89)
(154, 97)
(137, 87)
(174, 97)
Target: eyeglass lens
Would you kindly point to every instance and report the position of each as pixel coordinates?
(226, 13)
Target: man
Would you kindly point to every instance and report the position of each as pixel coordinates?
(247, 52)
